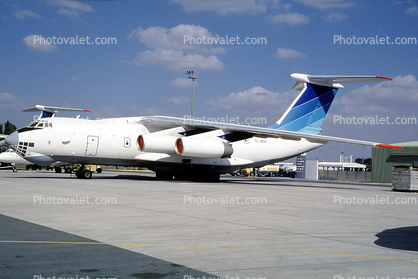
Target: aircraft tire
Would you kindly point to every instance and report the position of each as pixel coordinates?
(214, 177)
(206, 177)
(164, 175)
(182, 176)
(86, 174)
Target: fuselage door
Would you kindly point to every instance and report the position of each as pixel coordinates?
(92, 145)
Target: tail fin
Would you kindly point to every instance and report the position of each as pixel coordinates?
(308, 110)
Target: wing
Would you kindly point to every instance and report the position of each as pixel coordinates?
(235, 132)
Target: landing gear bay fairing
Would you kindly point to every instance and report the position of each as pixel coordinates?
(185, 148)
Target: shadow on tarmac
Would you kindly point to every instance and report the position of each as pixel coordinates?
(72, 258)
(405, 238)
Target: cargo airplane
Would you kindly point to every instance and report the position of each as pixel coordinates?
(185, 148)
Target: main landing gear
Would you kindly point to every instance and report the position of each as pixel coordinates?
(83, 173)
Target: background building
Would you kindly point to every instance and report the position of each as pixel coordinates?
(383, 159)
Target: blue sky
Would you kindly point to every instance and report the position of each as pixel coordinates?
(142, 71)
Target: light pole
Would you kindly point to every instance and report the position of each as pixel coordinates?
(335, 150)
(192, 76)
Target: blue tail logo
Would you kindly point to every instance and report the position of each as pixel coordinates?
(308, 110)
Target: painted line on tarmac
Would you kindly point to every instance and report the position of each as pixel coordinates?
(205, 247)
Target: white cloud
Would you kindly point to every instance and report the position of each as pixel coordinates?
(325, 4)
(6, 97)
(412, 11)
(33, 43)
(74, 5)
(151, 111)
(254, 102)
(387, 100)
(246, 98)
(183, 83)
(399, 96)
(396, 98)
(289, 18)
(180, 37)
(105, 112)
(282, 53)
(224, 8)
(70, 13)
(335, 17)
(21, 14)
(8, 101)
(176, 60)
(181, 100)
(167, 48)
(71, 8)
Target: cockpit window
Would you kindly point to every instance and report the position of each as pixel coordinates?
(40, 124)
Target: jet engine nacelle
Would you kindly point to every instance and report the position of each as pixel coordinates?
(208, 148)
(157, 144)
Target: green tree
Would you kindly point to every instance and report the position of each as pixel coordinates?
(8, 128)
(368, 163)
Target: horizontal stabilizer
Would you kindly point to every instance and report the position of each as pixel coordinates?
(48, 111)
(52, 109)
(332, 81)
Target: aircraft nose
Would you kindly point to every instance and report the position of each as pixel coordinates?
(12, 139)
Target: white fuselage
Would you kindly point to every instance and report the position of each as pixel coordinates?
(114, 141)
(10, 157)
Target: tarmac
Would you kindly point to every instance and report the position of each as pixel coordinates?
(130, 225)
